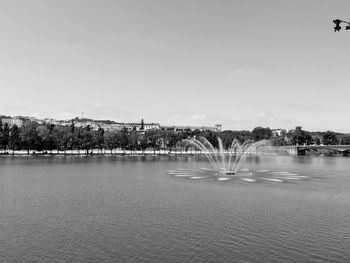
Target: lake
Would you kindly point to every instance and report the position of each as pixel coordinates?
(129, 209)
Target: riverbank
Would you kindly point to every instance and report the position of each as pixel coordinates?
(163, 152)
(96, 152)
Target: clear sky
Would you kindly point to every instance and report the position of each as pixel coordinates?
(239, 63)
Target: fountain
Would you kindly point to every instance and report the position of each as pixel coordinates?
(226, 162)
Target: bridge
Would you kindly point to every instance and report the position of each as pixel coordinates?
(344, 150)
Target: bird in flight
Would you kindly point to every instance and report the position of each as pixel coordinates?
(337, 23)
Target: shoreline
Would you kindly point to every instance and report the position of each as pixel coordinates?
(95, 153)
(128, 153)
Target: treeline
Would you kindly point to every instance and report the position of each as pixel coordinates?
(298, 136)
(49, 138)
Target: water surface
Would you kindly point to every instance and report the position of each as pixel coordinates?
(129, 209)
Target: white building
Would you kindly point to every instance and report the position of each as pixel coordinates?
(137, 126)
(278, 132)
(12, 121)
(183, 128)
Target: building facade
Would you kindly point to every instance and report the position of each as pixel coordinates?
(180, 128)
(12, 121)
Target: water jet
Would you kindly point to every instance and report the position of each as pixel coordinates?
(228, 161)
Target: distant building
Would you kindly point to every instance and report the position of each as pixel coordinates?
(66, 123)
(151, 126)
(218, 127)
(12, 121)
(137, 126)
(33, 119)
(111, 127)
(92, 124)
(51, 121)
(130, 126)
(176, 128)
(278, 132)
(107, 125)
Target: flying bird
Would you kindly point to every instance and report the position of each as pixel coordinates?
(337, 23)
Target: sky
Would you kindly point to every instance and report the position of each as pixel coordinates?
(241, 64)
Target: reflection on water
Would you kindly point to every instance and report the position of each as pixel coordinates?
(244, 175)
(128, 209)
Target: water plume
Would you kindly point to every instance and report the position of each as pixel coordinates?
(231, 160)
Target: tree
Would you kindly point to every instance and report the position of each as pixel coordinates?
(212, 137)
(170, 139)
(112, 139)
(72, 127)
(29, 136)
(143, 142)
(133, 140)
(260, 133)
(5, 136)
(47, 139)
(99, 139)
(62, 137)
(300, 137)
(181, 144)
(154, 139)
(344, 139)
(142, 125)
(41, 142)
(15, 139)
(123, 139)
(1, 135)
(86, 139)
(317, 141)
(278, 141)
(330, 138)
(227, 137)
(195, 133)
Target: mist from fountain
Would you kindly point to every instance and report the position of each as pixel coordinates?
(230, 161)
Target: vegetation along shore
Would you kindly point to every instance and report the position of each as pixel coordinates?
(45, 138)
